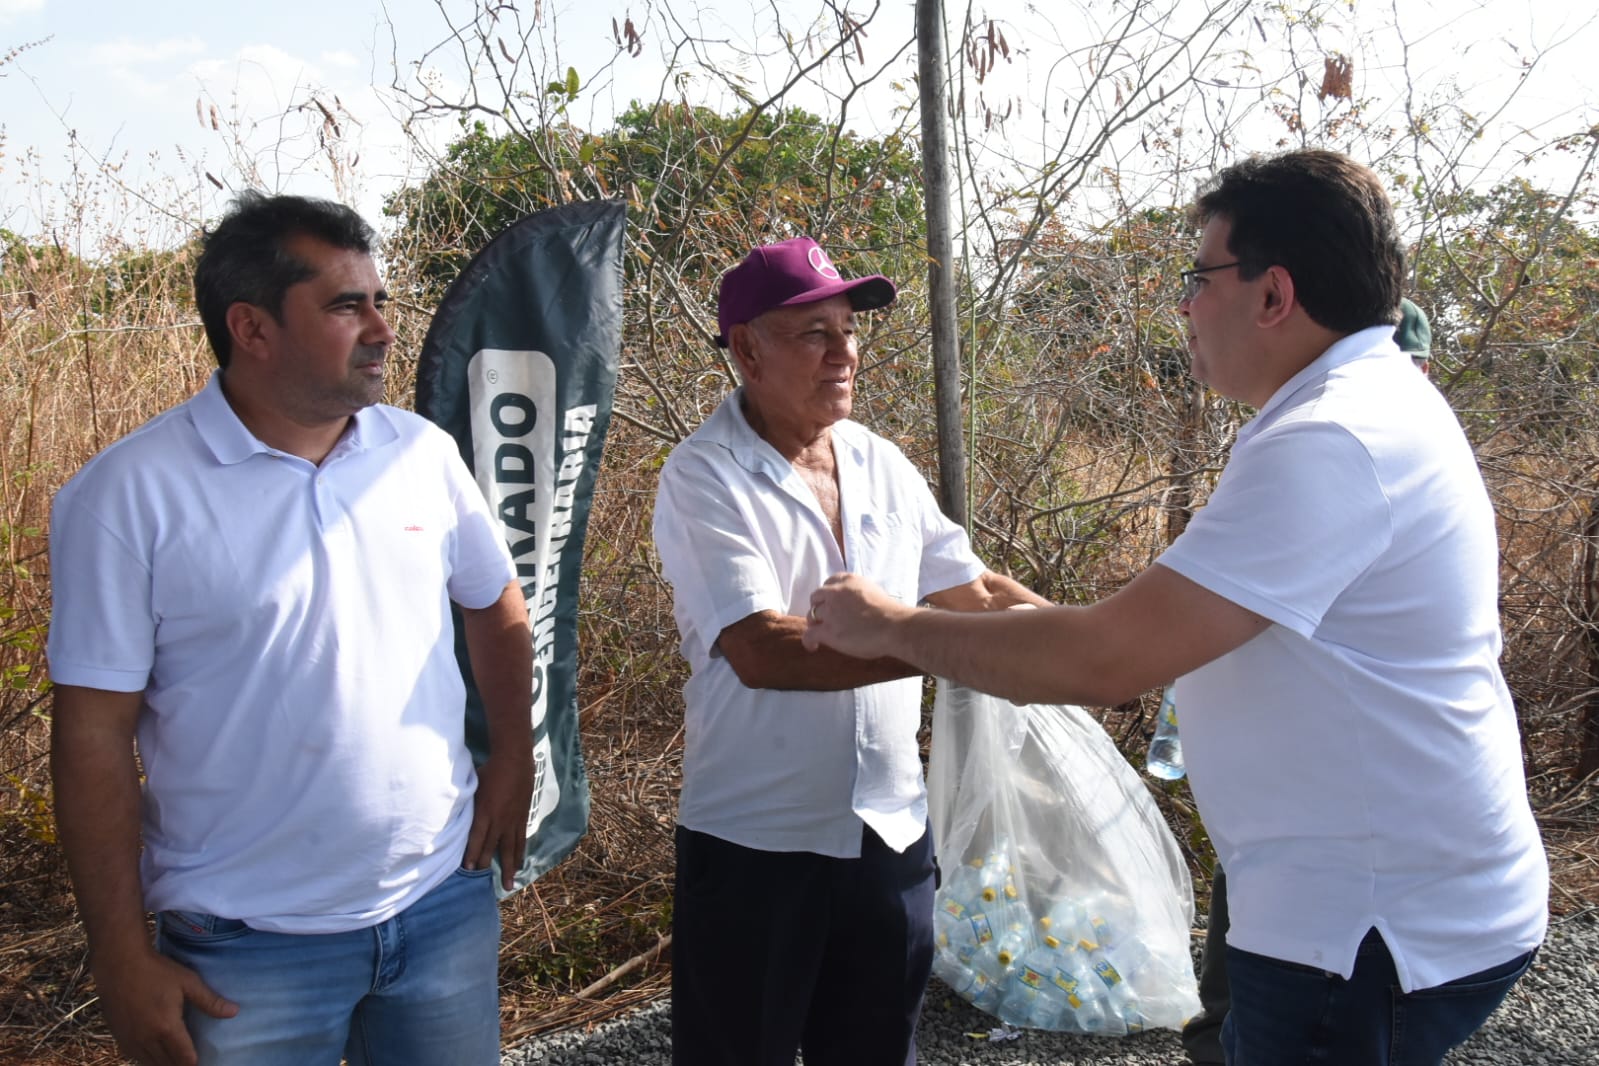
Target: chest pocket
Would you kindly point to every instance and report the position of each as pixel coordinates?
(889, 552)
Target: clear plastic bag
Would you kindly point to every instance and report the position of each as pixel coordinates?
(1065, 903)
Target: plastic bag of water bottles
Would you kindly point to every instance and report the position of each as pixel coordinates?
(1065, 903)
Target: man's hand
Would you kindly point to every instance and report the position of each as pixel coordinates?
(499, 814)
(142, 999)
(854, 616)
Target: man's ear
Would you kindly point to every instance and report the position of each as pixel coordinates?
(741, 342)
(1277, 296)
(248, 325)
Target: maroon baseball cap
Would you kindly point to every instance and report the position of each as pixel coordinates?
(788, 273)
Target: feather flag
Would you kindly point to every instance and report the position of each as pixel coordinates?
(519, 366)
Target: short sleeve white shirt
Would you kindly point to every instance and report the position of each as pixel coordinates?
(738, 533)
(1358, 764)
(289, 626)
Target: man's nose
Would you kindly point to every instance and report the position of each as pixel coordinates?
(377, 331)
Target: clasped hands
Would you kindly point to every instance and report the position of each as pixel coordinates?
(852, 615)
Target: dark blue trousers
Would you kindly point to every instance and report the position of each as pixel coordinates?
(1283, 1012)
(777, 952)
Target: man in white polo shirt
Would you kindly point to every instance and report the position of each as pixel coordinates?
(254, 590)
(1332, 617)
(804, 897)
(1202, 1032)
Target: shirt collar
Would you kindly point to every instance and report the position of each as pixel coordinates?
(1374, 342)
(728, 427)
(230, 441)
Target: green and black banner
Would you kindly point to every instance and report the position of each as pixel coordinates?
(519, 366)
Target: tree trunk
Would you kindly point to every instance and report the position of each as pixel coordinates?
(1588, 723)
(1178, 507)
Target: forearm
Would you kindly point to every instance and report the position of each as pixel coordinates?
(1053, 655)
(98, 810)
(1159, 627)
(500, 646)
(98, 807)
(767, 651)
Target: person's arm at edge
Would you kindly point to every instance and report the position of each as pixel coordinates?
(500, 646)
(767, 649)
(97, 809)
(1159, 626)
(987, 592)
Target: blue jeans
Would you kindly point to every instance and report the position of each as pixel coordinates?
(420, 988)
(1284, 1013)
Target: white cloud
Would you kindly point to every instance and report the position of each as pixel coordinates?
(12, 8)
(139, 53)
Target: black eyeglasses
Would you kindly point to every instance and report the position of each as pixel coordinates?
(1191, 277)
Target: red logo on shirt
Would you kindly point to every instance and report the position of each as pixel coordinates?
(413, 529)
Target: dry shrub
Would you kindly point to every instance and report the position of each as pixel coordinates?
(93, 341)
(1084, 461)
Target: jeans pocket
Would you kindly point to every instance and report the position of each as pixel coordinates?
(487, 871)
(198, 928)
(1504, 975)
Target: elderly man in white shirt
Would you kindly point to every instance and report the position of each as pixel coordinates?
(805, 873)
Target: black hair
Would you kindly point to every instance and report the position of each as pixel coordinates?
(244, 257)
(1326, 220)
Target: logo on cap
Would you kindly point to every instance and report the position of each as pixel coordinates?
(822, 265)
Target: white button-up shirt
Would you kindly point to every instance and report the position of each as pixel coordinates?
(739, 532)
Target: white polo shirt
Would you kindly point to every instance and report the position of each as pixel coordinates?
(289, 626)
(739, 532)
(1358, 764)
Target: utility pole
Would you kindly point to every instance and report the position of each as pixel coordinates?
(933, 67)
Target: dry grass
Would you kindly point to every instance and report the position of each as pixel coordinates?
(609, 904)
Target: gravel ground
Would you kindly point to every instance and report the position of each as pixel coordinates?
(1551, 1018)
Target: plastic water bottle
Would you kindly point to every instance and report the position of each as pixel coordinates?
(963, 882)
(1034, 999)
(972, 985)
(961, 931)
(1105, 918)
(1165, 759)
(1064, 920)
(1015, 933)
(1117, 970)
(995, 872)
(1086, 1009)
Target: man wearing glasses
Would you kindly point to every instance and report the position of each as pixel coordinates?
(1332, 617)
